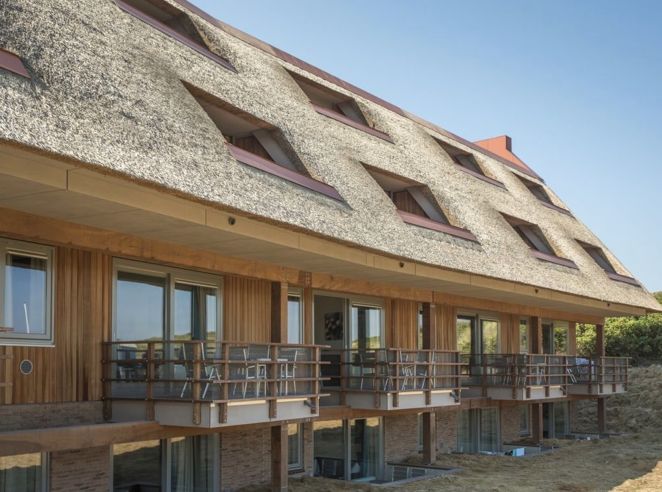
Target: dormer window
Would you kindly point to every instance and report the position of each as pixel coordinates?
(172, 22)
(415, 203)
(541, 194)
(599, 256)
(535, 239)
(257, 143)
(465, 161)
(337, 106)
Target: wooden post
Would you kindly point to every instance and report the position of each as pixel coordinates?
(429, 326)
(279, 458)
(279, 312)
(151, 371)
(599, 340)
(536, 335)
(225, 388)
(602, 415)
(195, 387)
(429, 438)
(278, 335)
(536, 422)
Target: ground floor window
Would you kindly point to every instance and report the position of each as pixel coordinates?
(524, 420)
(184, 464)
(24, 473)
(295, 447)
(556, 422)
(349, 449)
(478, 430)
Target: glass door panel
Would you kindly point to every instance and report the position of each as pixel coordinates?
(489, 336)
(560, 420)
(294, 319)
(137, 466)
(465, 431)
(365, 448)
(366, 330)
(489, 429)
(547, 338)
(329, 448)
(329, 329)
(465, 334)
(193, 463)
(195, 315)
(140, 307)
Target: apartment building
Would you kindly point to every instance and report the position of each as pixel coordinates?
(221, 266)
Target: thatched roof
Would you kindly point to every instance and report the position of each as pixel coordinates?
(106, 89)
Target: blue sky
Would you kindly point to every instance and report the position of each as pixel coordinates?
(576, 84)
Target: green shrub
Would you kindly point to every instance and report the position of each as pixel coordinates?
(639, 337)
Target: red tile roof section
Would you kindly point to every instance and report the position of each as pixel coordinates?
(247, 38)
(13, 63)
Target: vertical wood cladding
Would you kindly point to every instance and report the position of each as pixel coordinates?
(246, 309)
(403, 325)
(71, 369)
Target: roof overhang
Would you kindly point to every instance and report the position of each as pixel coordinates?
(46, 187)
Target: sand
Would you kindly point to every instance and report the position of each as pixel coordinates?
(618, 464)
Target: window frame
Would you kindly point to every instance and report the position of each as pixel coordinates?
(526, 324)
(172, 276)
(173, 33)
(33, 250)
(297, 292)
(297, 466)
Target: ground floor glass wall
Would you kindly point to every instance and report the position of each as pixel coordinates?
(478, 430)
(350, 449)
(184, 464)
(23, 473)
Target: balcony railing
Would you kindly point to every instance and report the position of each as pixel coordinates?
(601, 371)
(393, 372)
(521, 372)
(211, 371)
(524, 373)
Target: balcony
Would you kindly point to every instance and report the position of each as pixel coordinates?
(598, 376)
(210, 383)
(518, 377)
(394, 379)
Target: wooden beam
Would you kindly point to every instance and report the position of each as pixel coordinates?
(279, 440)
(51, 231)
(429, 438)
(600, 340)
(536, 335)
(536, 422)
(279, 312)
(308, 334)
(429, 326)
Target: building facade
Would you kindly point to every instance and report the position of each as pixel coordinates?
(222, 267)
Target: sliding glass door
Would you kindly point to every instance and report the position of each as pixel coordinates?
(366, 327)
(478, 430)
(365, 448)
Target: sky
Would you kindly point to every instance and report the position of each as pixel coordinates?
(576, 84)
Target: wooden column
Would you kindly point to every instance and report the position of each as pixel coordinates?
(602, 416)
(279, 312)
(536, 422)
(429, 326)
(600, 352)
(429, 438)
(429, 418)
(599, 340)
(279, 458)
(536, 408)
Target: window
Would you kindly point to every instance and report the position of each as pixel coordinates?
(181, 464)
(295, 447)
(26, 290)
(295, 316)
(337, 106)
(415, 203)
(465, 337)
(24, 473)
(256, 143)
(467, 162)
(539, 191)
(523, 336)
(560, 338)
(159, 303)
(174, 23)
(534, 238)
(599, 256)
(524, 420)
(13, 63)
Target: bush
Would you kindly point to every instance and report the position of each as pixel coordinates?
(639, 337)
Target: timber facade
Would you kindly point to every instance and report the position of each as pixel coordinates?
(260, 285)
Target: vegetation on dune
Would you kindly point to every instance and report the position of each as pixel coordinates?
(639, 337)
